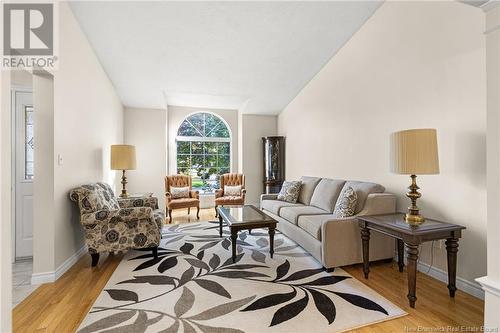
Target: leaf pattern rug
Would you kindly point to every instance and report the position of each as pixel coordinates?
(194, 286)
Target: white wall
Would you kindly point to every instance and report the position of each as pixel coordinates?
(412, 65)
(253, 128)
(146, 130)
(491, 282)
(44, 233)
(88, 118)
(177, 114)
(5, 202)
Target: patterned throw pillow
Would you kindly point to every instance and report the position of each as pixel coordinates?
(179, 192)
(346, 204)
(232, 191)
(290, 191)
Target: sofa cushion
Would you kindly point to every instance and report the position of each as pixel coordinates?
(312, 224)
(346, 203)
(307, 189)
(362, 190)
(326, 193)
(292, 214)
(289, 191)
(274, 206)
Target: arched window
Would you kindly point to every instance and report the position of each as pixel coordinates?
(203, 150)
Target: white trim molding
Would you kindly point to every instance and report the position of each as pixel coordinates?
(489, 286)
(47, 277)
(470, 287)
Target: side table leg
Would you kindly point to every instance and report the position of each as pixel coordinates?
(401, 253)
(234, 237)
(451, 251)
(412, 258)
(365, 238)
(271, 241)
(220, 225)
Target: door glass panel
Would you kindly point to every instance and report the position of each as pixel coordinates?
(28, 143)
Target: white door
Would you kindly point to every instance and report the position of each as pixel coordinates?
(24, 166)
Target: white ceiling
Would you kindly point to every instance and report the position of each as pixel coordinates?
(254, 56)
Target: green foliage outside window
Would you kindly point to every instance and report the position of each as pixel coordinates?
(203, 150)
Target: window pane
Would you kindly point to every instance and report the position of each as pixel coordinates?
(29, 143)
(183, 161)
(223, 161)
(203, 125)
(210, 148)
(223, 148)
(211, 161)
(197, 147)
(197, 161)
(187, 130)
(183, 147)
(198, 122)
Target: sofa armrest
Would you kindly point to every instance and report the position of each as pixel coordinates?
(138, 202)
(219, 193)
(263, 197)
(121, 215)
(379, 203)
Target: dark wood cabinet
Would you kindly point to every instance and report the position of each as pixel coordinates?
(274, 163)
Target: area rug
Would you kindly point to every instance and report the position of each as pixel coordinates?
(194, 286)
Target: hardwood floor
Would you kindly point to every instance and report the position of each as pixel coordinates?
(61, 306)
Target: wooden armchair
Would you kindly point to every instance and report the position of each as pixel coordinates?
(230, 179)
(192, 201)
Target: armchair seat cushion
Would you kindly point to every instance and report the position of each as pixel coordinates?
(274, 206)
(183, 203)
(229, 200)
(292, 214)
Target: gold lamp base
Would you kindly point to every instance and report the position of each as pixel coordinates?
(124, 193)
(413, 217)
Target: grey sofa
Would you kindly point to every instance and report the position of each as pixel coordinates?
(332, 241)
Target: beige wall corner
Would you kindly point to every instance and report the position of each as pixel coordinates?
(5, 200)
(146, 130)
(253, 128)
(491, 282)
(88, 119)
(386, 79)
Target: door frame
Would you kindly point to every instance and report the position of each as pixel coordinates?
(14, 89)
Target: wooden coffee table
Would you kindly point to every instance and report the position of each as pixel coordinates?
(245, 217)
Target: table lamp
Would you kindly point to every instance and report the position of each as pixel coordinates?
(414, 152)
(123, 158)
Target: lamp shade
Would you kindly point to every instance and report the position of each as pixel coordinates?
(122, 157)
(414, 152)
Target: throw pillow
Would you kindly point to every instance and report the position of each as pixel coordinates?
(232, 191)
(290, 191)
(346, 204)
(179, 192)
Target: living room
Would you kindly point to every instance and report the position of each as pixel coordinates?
(313, 115)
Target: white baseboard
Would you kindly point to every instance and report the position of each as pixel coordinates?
(470, 287)
(489, 286)
(47, 277)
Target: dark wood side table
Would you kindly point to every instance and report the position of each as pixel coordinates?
(395, 226)
(246, 217)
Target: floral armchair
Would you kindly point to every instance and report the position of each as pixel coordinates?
(230, 179)
(192, 201)
(112, 224)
